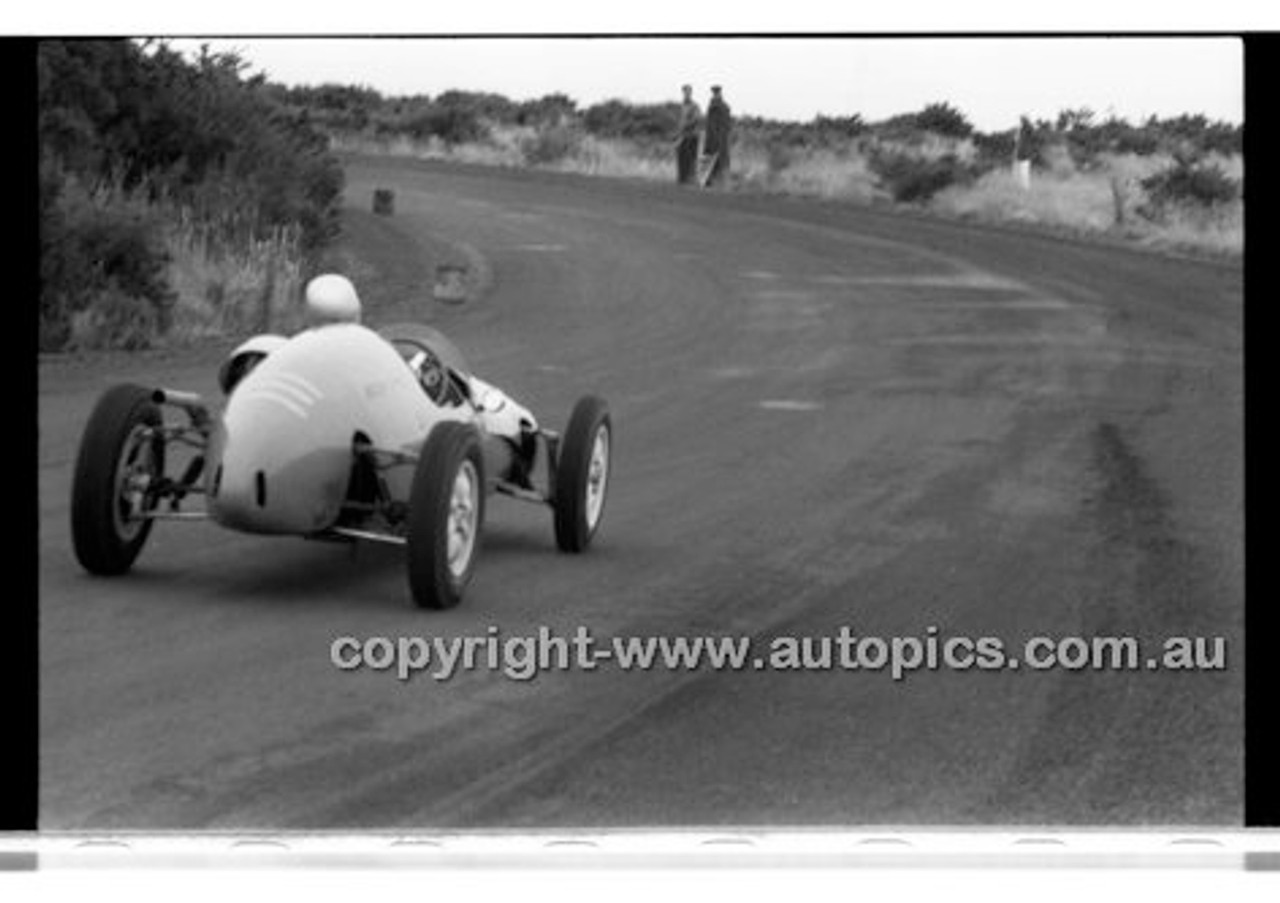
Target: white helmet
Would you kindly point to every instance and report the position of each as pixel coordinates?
(332, 299)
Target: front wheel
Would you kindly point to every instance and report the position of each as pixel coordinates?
(120, 462)
(446, 511)
(582, 474)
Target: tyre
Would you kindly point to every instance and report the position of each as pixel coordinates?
(446, 513)
(121, 459)
(582, 474)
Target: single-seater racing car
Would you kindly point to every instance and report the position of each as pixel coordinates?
(338, 432)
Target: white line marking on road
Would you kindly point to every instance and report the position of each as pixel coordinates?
(774, 324)
(838, 280)
(790, 404)
(971, 279)
(759, 274)
(542, 249)
(1015, 304)
(782, 294)
(1092, 338)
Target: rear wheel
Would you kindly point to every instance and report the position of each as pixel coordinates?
(446, 512)
(582, 474)
(120, 462)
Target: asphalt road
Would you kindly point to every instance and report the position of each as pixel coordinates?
(826, 418)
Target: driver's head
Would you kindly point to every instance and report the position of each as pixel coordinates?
(332, 299)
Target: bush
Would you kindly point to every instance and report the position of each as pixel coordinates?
(550, 144)
(994, 149)
(133, 134)
(1186, 184)
(1203, 184)
(549, 110)
(778, 157)
(943, 119)
(1031, 140)
(114, 319)
(453, 125)
(1201, 134)
(836, 131)
(913, 179)
(644, 122)
(94, 247)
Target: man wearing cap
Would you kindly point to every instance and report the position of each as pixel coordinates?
(716, 143)
(687, 138)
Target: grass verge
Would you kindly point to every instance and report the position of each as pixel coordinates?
(1106, 199)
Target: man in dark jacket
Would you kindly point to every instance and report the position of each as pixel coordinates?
(716, 143)
(687, 138)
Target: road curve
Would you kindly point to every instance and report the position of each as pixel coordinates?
(825, 417)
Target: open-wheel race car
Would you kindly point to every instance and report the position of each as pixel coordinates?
(339, 432)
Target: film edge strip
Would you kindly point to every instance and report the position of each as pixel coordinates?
(1250, 850)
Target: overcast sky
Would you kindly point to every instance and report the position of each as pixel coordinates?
(993, 80)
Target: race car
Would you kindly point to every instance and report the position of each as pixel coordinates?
(340, 432)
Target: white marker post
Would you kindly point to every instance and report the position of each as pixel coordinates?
(1021, 168)
(1022, 172)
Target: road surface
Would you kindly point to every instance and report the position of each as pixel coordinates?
(826, 417)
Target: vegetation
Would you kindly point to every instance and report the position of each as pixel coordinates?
(1172, 181)
(180, 198)
(1204, 185)
(938, 118)
(149, 160)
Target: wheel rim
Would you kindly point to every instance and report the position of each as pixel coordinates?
(464, 513)
(597, 476)
(135, 474)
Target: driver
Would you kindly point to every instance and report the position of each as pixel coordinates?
(434, 379)
(332, 298)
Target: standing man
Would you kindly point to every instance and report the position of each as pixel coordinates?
(716, 145)
(687, 138)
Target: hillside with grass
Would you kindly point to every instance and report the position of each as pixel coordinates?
(1174, 183)
(181, 198)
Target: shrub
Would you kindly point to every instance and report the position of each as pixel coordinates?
(133, 134)
(114, 319)
(778, 156)
(1187, 184)
(482, 105)
(994, 149)
(93, 247)
(1119, 137)
(943, 119)
(836, 131)
(1197, 131)
(550, 144)
(913, 179)
(453, 125)
(1031, 140)
(550, 109)
(643, 122)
